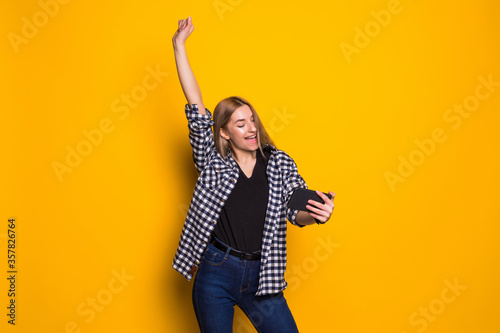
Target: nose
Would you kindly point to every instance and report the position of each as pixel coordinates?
(252, 127)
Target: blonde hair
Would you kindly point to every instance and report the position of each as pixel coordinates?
(223, 112)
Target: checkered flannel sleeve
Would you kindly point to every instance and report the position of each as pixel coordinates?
(200, 135)
(291, 181)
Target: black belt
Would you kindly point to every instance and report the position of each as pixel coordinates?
(238, 254)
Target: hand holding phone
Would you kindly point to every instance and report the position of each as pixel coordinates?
(300, 201)
(300, 197)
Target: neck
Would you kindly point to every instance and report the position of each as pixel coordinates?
(242, 157)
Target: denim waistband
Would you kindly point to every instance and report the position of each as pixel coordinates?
(238, 254)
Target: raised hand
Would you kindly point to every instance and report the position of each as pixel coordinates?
(184, 30)
(186, 76)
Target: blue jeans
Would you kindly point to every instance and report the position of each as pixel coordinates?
(224, 281)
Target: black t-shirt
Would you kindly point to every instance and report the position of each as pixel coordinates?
(242, 218)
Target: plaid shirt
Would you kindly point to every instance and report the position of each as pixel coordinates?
(217, 177)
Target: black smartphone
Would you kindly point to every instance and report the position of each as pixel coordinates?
(299, 198)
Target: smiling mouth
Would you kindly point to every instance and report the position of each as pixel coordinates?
(252, 138)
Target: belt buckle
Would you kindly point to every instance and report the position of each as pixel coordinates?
(238, 254)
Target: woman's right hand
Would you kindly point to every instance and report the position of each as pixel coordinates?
(185, 29)
(188, 81)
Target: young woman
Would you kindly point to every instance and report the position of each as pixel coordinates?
(235, 230)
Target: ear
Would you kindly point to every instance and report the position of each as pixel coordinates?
(224, 134)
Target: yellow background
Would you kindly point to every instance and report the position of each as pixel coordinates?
(346, 124)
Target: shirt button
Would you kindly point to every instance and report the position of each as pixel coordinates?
(234, 181)
(222, 201)
(213, 222)
(203, 243)
(218, 169)
(197, 262)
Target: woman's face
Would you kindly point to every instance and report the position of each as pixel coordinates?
(240, 130)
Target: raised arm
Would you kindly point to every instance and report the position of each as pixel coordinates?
(188, 81)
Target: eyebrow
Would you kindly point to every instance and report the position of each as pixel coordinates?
(242, 119)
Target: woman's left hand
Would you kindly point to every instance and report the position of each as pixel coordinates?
(319, 211)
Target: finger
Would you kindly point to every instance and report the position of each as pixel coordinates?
(327, 208)
(315, 203)
(323, 196)
(326, 199)
(319, 217)
(319, 212)
(331, 200)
